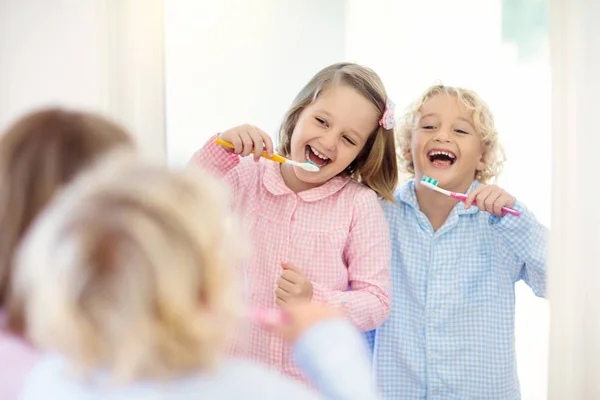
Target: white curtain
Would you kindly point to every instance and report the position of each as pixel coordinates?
(135, 59)
(574, 281)
(100, 55)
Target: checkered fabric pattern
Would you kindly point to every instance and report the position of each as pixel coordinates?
(450, 334)
(336, 234)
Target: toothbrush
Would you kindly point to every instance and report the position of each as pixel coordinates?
(307, 166)
(432, 184)
(267, 316)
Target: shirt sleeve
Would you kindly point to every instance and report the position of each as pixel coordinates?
(368, 257)
(527, 239)
(215, 158)
(370, 339)
(334, 357)
(237, 174)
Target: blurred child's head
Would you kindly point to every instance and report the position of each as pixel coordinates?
(334, 122)
(128, 271)
(39, 154)
(448, 134)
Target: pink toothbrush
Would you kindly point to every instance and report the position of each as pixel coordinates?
(267, 316)
(432, 184)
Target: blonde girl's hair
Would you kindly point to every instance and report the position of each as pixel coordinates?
(376, 165)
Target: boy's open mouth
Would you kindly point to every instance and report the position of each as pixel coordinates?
(313, 156)
(441, 158)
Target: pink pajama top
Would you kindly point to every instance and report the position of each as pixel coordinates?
(17, 358)
(336, 234)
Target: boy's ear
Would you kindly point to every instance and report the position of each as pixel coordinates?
(408, 155)
(481, 163)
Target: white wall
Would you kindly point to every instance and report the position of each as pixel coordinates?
(98, 55)
(234, 61)
(413, 44)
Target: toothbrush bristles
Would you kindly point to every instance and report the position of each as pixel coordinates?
(427, 179)
(310, 166)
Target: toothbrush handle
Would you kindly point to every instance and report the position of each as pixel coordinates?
(275, 157)
(266, 316)
(462, 198)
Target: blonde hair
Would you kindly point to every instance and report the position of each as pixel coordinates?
(39, 154)
(127, 271)
(483, 120)
(376, 165)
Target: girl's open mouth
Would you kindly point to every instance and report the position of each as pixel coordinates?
(313, 156)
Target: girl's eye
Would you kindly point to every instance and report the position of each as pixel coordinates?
(347, 139)
(322, 121)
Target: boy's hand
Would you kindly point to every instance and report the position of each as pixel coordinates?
(490, 198)
(292, 286)
(246, 138)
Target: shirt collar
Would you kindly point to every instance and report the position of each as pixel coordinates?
(274, 183)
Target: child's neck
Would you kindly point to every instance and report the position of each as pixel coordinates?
(292, 181)
(436, 206)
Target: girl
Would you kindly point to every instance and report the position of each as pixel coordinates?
(454, 266)
(125, 280)
(317, 236)
(39, 154)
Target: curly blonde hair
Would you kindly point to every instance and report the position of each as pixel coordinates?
(483, 120)
(128, 271)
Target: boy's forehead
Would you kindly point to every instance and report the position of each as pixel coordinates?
(445, 104)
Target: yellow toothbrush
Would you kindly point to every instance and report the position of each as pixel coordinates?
(307, 166)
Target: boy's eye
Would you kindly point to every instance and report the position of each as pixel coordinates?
(461, 131)
(429, 127)
(321, 121)
(347, 139)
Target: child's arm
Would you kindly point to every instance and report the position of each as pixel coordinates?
(334, 356)
(527, 239)
(370, 339)
(368, 256)
(244, 139)
(226, 163)
(215, 158)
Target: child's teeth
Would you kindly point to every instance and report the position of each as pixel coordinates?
(322, 157)
(435, 153)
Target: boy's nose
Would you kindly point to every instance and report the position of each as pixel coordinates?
(442, 135)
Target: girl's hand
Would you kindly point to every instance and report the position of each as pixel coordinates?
(292, 286)
(299, 317)
(246, 138)
(490, 198)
